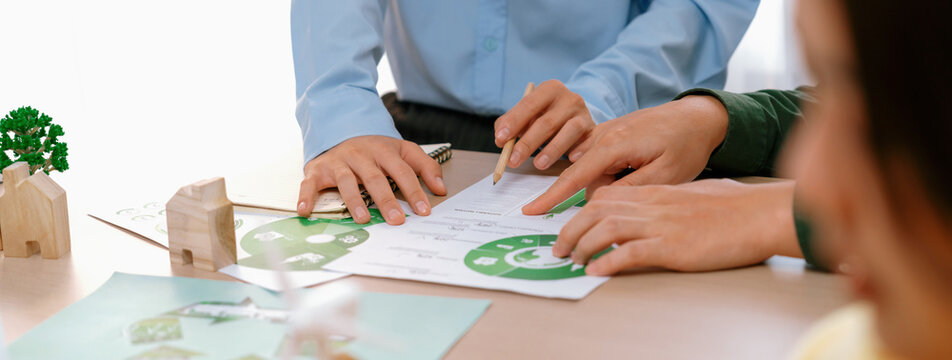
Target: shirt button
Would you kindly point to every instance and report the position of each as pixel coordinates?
(490, 44)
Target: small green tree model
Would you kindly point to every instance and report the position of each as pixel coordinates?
(27, 135)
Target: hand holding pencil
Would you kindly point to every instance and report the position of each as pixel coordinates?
(549, 115)
(507, 149)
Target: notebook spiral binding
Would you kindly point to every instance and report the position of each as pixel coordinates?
(441, 155)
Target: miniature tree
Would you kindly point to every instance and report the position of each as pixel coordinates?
(30, 136)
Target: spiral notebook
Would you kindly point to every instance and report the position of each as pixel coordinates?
(277, 188)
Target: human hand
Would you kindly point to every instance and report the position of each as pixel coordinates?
(368, 160)
(667, 144)
(699, 226)
(550, 113)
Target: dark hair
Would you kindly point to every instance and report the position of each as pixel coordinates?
(906, 81)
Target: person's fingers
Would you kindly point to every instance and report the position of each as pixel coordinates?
(309, 188)
(538, 132)
(652, 173)
(563, 108)
(570, 133)
(582, 145)
(572, 232)
(640, 253)
(587, 143)
(350, 193)
(316, 178)
(612, 229)
(592, 188)
(574, 178)
(406, 180)
(429, 169)
(515, 121)
(379, 188)
(615, 192)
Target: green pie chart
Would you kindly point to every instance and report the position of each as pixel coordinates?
(306, 244)
(527, 257)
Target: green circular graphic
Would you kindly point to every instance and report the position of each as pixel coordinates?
(527, 257)
(306, 244)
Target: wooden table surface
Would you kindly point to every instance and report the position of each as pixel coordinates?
(756, 312)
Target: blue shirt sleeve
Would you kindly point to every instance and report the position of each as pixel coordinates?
(674, 45)
(336, 46)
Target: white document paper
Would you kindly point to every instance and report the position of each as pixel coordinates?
(147, 219)
(478, 238)
(268, 280)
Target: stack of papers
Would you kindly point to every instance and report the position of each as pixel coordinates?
(478, 238)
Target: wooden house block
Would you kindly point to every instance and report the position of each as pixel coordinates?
(1, 223)
(201, 223)
(33, 214)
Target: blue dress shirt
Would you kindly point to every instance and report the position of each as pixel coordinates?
(477, 55)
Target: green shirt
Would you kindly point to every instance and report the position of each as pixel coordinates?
(758, 124)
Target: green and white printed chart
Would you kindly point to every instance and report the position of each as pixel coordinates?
(307, 245)
(479, 238)
(526, 257)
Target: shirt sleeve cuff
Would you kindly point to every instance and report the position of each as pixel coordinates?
(743, 150)
(598, 115)
(341, 115)
(602, 103)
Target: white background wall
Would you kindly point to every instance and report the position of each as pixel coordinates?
(769, 54)
(164, 89)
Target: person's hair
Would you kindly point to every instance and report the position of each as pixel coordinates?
(905, 81)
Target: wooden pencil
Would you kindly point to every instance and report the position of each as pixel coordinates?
(507, 149)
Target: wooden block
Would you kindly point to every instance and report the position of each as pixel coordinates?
(201, 223)
(34, 214)
(1, 222)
